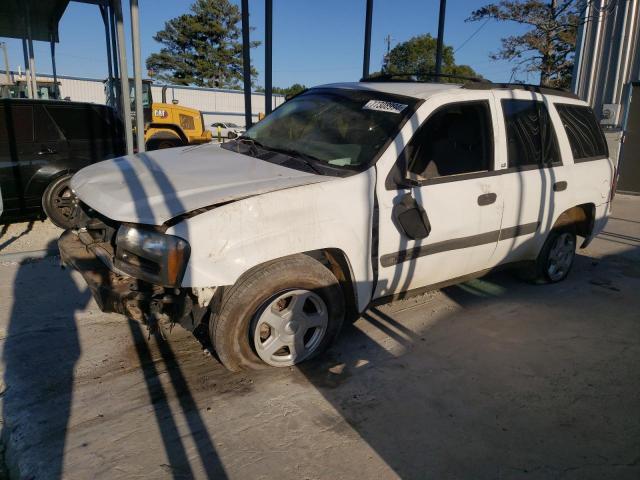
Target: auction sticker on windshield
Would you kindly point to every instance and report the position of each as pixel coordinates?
(384, 106)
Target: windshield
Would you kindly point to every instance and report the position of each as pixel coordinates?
(335, 128)
(146, 97)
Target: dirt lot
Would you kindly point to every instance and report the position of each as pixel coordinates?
(22, 238)
(490, 379)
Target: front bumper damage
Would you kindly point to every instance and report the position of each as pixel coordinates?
(116, 292)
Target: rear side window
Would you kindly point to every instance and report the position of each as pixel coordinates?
(454, 140)
(531, 140)
(81, 123)
(585, 136)
(16, 123)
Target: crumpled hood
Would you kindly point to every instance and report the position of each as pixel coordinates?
(154, 187)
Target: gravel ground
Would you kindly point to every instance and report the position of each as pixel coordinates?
(491, 379)
(28, 236)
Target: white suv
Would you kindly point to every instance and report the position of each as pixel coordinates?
(344, 195)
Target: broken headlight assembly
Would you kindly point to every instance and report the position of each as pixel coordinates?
(152, 256)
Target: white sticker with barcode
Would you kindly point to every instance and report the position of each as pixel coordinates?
(384, 106)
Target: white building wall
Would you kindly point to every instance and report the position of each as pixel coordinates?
(217, 105)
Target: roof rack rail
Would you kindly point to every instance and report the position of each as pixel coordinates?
(413, 77)
(560, 92)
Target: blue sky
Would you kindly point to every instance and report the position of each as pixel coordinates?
(315, 42)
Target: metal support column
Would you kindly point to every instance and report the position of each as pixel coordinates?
(27, 73)
(137, 72)
(109, 90)
(440, 43)
(53, 68)
(246, 64)
(104, 11)
(268, 56)
(32, 67)
(124, 75)
(7, 68)
(367, 39)
(114, 49)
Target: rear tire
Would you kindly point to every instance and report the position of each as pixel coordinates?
(58, 202)
(555, 259)
(280, 313)
(162, 143)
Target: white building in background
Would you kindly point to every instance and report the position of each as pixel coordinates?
(216, 104)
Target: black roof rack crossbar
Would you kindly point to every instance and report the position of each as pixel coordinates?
(560, 92)
(413, 77)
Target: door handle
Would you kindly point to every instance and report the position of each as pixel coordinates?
(47, 151)
(559, 186)
(487, 199)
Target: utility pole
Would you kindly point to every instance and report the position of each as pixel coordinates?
(387, 40)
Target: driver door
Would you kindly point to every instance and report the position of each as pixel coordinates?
(440, 218)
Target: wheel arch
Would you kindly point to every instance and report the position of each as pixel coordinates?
(44, 177)
(336, 260)
(164, 131)
(580, 219)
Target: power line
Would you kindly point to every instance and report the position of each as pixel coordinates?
(472, 35)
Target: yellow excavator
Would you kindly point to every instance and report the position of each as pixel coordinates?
(168, 125)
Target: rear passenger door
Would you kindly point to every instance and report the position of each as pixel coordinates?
(16, 151)
(536, 185)
(89, 134)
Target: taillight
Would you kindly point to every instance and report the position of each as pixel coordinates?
(614, 184)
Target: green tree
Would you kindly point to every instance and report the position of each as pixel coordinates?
(294, 89)
(289, 91)
(202, 48)
(548, 47)
(418, 55)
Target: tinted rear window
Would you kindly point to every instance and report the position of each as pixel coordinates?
(530, 136)
(585, 137)
(83, 123)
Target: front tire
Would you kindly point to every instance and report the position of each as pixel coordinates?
(279, 314)
(58, 202)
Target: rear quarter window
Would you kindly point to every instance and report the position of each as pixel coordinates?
(585, 136)
(531, 139)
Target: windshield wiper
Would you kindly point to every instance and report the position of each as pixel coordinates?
(307, 159)
(249, 141)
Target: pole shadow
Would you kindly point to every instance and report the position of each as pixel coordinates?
(40, 353)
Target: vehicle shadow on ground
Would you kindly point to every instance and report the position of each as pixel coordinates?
(40, 354)
(522, 381)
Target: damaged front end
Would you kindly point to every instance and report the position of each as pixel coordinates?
(132, 270)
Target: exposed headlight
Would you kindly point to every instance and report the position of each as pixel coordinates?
(151, 256)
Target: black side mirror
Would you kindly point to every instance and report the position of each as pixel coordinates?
(411, 218)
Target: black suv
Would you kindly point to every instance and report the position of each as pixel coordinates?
(42, 144)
